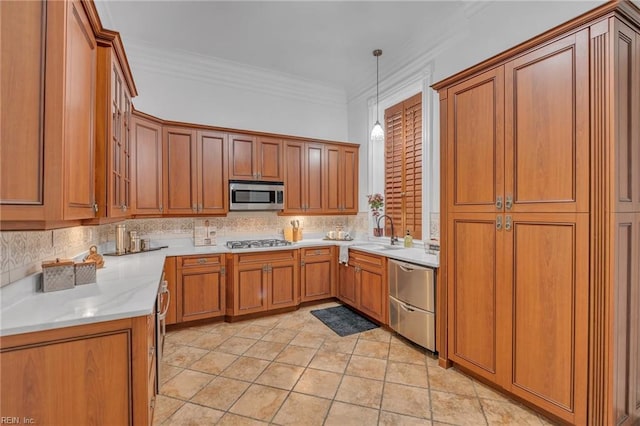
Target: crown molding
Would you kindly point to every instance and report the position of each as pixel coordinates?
(216, 71)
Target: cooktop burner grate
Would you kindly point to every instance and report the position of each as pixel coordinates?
(257, 243)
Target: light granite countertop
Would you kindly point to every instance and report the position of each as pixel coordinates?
(127, 286)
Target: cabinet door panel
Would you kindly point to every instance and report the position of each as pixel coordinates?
(213, 185)
(314, 179)
(548, 311)
(269, 159)
(148, 166)
(350, 186)
(83, 381)
(347, 289)
(79, 109)
(373, 295)
(201, 295)
(334, 183)
(294, 172)
(180, 171)
(547, 128)
(283, 286)
(171, 278)
(473, 259)
(21, 105)
(475, 146)
(251, 290)
(241, 157)
(316, 280)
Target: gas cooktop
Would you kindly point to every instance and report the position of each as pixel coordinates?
(257, 243)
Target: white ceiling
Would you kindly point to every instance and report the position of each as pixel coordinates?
(329, 42)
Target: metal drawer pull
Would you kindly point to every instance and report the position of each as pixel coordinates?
(152, 350)
(507, 225)
(202, 261)
(509, 202)
(407, 308)
(499, 223)
(499, 203)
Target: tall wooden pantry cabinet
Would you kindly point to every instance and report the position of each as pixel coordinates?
(540, 166)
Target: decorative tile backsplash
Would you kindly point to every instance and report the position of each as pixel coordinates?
(22, 252)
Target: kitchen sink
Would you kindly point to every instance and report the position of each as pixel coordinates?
(377, 246)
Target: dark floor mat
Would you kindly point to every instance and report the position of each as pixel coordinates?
(343, 321)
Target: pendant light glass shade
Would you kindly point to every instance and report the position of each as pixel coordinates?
(377, 133)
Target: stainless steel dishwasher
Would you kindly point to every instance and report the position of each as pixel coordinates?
(412, 302)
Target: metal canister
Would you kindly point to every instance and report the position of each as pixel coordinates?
(134, 242)
(121, 246)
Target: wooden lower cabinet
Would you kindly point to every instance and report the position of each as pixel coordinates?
(518, 306)
(317, 273)
(170, 276)
(263, 281)
(101, 373)
(347, 291)
(363, 285)
(200, 287)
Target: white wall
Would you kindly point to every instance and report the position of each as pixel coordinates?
(186, 87)
(480, 31)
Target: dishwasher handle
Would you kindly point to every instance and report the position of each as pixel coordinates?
(409, 267)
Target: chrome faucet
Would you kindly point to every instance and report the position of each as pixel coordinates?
(394, 239)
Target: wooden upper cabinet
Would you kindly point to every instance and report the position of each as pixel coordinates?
(547, 128)
(147, 158)
(315, 188)
(212, 181)
(269, 159)
(294, 171)
(114, 146)
(22, 138)
(47, 148)
(342, 179)
(475, 151)
(180, 170)
(255, 158)
(79, 112)
(306, 185)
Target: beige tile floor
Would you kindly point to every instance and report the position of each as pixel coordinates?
(291, 369)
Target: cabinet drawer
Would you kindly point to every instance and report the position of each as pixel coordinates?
(195, 261)
(365, 258)
(316, 252)
(267, 256)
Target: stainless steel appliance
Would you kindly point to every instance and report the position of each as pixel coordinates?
(256, 195)
(162, 307)
(412, 302)
(241, 244)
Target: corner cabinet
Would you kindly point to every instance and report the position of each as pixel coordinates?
(148, 189)
(529, 172)
(317, 273)
(363, 285)
(47, 170)
(201, 283)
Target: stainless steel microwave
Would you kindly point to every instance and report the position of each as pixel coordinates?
(256, 195)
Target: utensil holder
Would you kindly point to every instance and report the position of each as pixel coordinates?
(297, 234)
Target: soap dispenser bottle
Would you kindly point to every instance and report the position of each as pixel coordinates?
(408, 240)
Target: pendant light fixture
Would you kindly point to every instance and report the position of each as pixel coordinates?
(377, 133)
